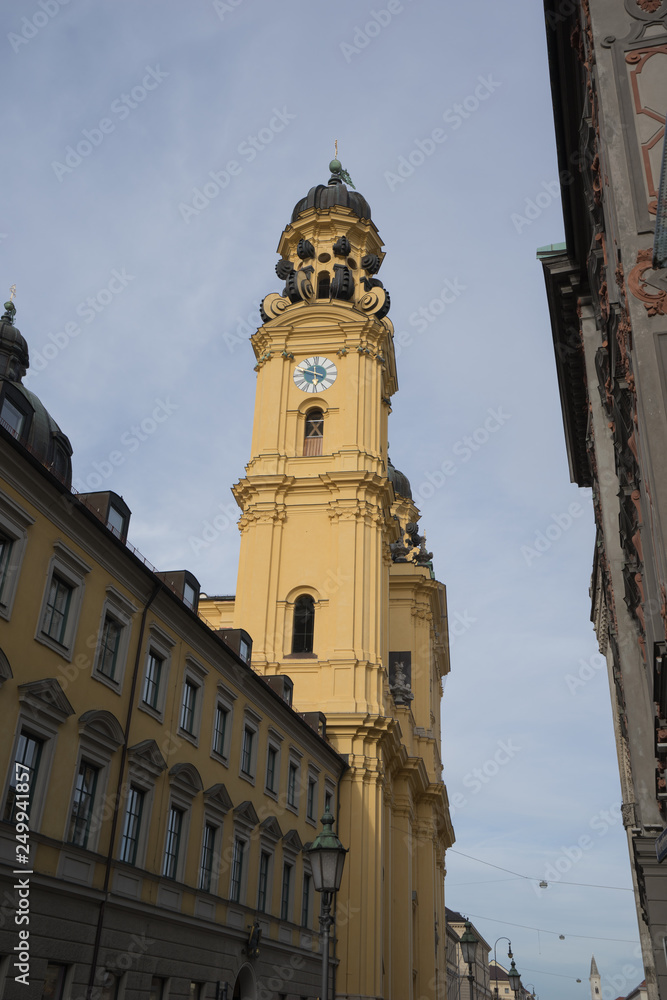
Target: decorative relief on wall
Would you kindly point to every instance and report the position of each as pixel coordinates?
(655, 301)
(647, 69)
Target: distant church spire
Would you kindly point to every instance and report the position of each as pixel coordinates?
(595, 980)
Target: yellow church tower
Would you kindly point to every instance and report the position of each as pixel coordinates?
(337, 591)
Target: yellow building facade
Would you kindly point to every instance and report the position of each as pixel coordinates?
(337, 590)
(157, 795)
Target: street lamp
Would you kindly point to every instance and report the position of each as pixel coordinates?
(468, 948)
(327, 857)
(495, 960)
(514, 977)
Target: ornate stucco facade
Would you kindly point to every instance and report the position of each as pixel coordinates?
(329, 532)
(608, 65)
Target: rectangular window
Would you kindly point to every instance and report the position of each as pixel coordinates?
(54, 981)
(172, 846)
(244, 650)
(189, 595)
(207, 855)
(246, 750)
(5, 552)
(57, 609)
(271, 761)
(285, 894)
(262, 892)
(305, 900)
(28, 755)
(237, 870)
(152, 680)
(116, 521)
(196, 991)
(220, 730)
(131, 825)
(12, 417)
(158, 988)
(188, 707)
(310, 802)
(111, 631)
(82, 808)
(291, 784)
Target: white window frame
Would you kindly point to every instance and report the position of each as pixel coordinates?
(274, 743)
(244, 838)
(251, 721)
(306, 870)
(14, 523)
(217, 825)
(143, 774)
(295, 758)
(266, 848)
(162, 644)
(314, 776)
(195, 674)
(72, 570)
(97, 749)
(41, 720)
(288, 861)
(225, 699)
(116, 606)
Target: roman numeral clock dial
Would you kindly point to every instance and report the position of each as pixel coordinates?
(315, 374)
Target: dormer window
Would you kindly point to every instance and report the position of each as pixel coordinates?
(116, 521)
(13, 419)
(189, 595)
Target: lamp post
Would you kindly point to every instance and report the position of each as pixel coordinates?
(469, 944)
(515, 979)
(327, 857)
(495, 960)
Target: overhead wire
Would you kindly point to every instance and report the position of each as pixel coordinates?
(533, 878)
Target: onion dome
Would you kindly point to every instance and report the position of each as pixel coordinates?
(400, 482)
(324, 196)
(14, 358)
(22, 413)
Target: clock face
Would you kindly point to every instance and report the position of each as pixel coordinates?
(315, 374)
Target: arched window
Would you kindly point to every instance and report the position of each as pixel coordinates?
(323, 285)
(314, 432)
(304, 624)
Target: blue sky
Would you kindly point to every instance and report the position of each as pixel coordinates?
(164, 95)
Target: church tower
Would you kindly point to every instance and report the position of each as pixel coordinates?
(337, 590)
(595, 981)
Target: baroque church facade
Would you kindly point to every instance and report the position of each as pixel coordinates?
(166, 756)
(337, 589)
